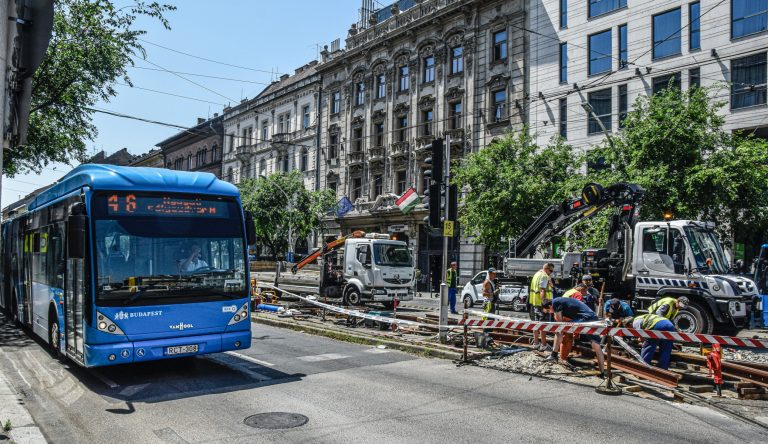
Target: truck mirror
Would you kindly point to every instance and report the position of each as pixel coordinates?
(250, 228)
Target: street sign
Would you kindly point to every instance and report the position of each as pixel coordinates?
(448, 228)
(400, 228)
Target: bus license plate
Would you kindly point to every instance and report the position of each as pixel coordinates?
(181, 349)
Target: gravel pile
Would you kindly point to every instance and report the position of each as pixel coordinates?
(525, 362)
(747, 356)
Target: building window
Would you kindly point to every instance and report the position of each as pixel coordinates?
(455, 115)
(333, 146)
(500, 45)
(305, 117)
(457, 60)
(402, 128)
(263, 167)
(360, 93)
(694, 77)
(189, 162)
(378, 131)
(332, 186)
(336, 102)
(304, 162)
(623, 54)
(403, 80)
(178, 164)
(499, 105)
(231, 143)
(264, 130)
(748, 77)
(661, 83)
(214, 153)
(600, 52)
(169, 165)
(381, 86)
(357, 139)
(286, 164)
(429, 69)
(564, 63)
(378, 185)
(694, 25)
(600, 7)
(426, 122)
(357, 188)
(748, 17)
(666, 34)
(563, 14)
(601, 106)
(623, 104)
(564, 118)
(401, 182)
(281, 124)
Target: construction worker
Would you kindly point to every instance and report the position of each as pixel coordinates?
(591, 295)
(452, 279)
(616, 309)
(576, 292)
(490, 291)
(540, 291)
(572, 310)
(652, 321)
(668, 307)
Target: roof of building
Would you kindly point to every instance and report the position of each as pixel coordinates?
(201, 130)
(118, 178)
(287, 80)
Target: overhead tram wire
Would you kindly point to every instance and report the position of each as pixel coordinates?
(201, 75)
(272, 72)
(171, 94)
(190, 81)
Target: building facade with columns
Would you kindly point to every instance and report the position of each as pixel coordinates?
(276, 131)
(416, 71)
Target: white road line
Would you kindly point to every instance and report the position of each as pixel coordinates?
(108, 382)
(250, 359)
(376, 350)
(324, 357)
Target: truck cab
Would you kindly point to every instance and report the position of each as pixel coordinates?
(685, 258)
(377, 269)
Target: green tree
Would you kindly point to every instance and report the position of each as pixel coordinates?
(280, 202)
(510, 182)
(93, 43)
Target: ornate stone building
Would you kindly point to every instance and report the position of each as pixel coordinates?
(195, 149)
(412, 72)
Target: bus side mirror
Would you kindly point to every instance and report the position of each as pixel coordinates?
(250, 228)
(76, 225)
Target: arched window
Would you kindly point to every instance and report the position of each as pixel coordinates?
(229, 174)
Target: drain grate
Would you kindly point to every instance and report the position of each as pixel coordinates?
(276, 420)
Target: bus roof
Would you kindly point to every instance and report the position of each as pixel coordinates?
(111, 177)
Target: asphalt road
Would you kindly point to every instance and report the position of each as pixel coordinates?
(350, 393)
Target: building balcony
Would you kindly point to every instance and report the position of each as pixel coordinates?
(376, 155)
(279, 140)
(356, 158)
(399, 150)
(243, 151)
(423, 145)
(455, 135)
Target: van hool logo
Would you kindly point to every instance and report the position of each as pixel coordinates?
(181, 326)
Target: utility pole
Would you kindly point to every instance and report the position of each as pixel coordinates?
(444, 285)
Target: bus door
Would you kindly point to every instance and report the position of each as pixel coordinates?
(73, 303)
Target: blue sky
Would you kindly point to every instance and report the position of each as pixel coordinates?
(258, 34)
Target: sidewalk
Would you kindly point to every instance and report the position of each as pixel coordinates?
(23, 428)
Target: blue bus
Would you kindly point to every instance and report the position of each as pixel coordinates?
(115, 265)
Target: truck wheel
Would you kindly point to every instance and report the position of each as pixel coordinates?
(519, 304)
(468, 302)
(352, 297)
(694, 319)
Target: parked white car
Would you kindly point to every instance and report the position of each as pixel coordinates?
(472, 293)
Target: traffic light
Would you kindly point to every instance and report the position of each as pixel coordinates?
(453, 204)
(435, 199)
(437, 160)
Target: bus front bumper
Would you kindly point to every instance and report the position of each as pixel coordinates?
(151, 350)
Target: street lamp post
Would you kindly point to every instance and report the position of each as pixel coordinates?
(591, 112)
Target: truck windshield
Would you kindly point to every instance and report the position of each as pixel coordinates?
(391, 254)
(706, 250)
(151, 250)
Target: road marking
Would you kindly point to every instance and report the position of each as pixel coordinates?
(108, 382)
(376, 350)
(324, 357)
(250, 359)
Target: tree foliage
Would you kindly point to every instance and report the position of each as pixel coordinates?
(93, 43)
(509, 183)
(279, 202)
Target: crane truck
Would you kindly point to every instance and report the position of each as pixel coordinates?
(372, 268)
(642, 261)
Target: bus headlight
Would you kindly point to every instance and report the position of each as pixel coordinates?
(240, 315)
(107, 325)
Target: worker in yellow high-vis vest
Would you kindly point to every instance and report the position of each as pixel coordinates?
(452, 279)
(668, 307)
(540, 289)
(652, 321)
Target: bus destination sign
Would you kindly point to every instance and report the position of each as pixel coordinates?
(133, 205)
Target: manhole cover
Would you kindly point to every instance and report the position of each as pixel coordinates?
(276, 420)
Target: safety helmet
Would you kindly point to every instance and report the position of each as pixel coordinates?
(683, 301)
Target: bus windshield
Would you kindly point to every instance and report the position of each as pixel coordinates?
(707, 251)
(154, 249)
(391, 254)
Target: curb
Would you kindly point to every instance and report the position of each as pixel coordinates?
(23, 427)
(420, 350)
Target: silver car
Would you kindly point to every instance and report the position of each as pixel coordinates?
(514, 295)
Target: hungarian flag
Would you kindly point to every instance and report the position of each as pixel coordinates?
(408, 200)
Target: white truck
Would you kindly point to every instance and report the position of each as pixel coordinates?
(364, 267)
(644, 261)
